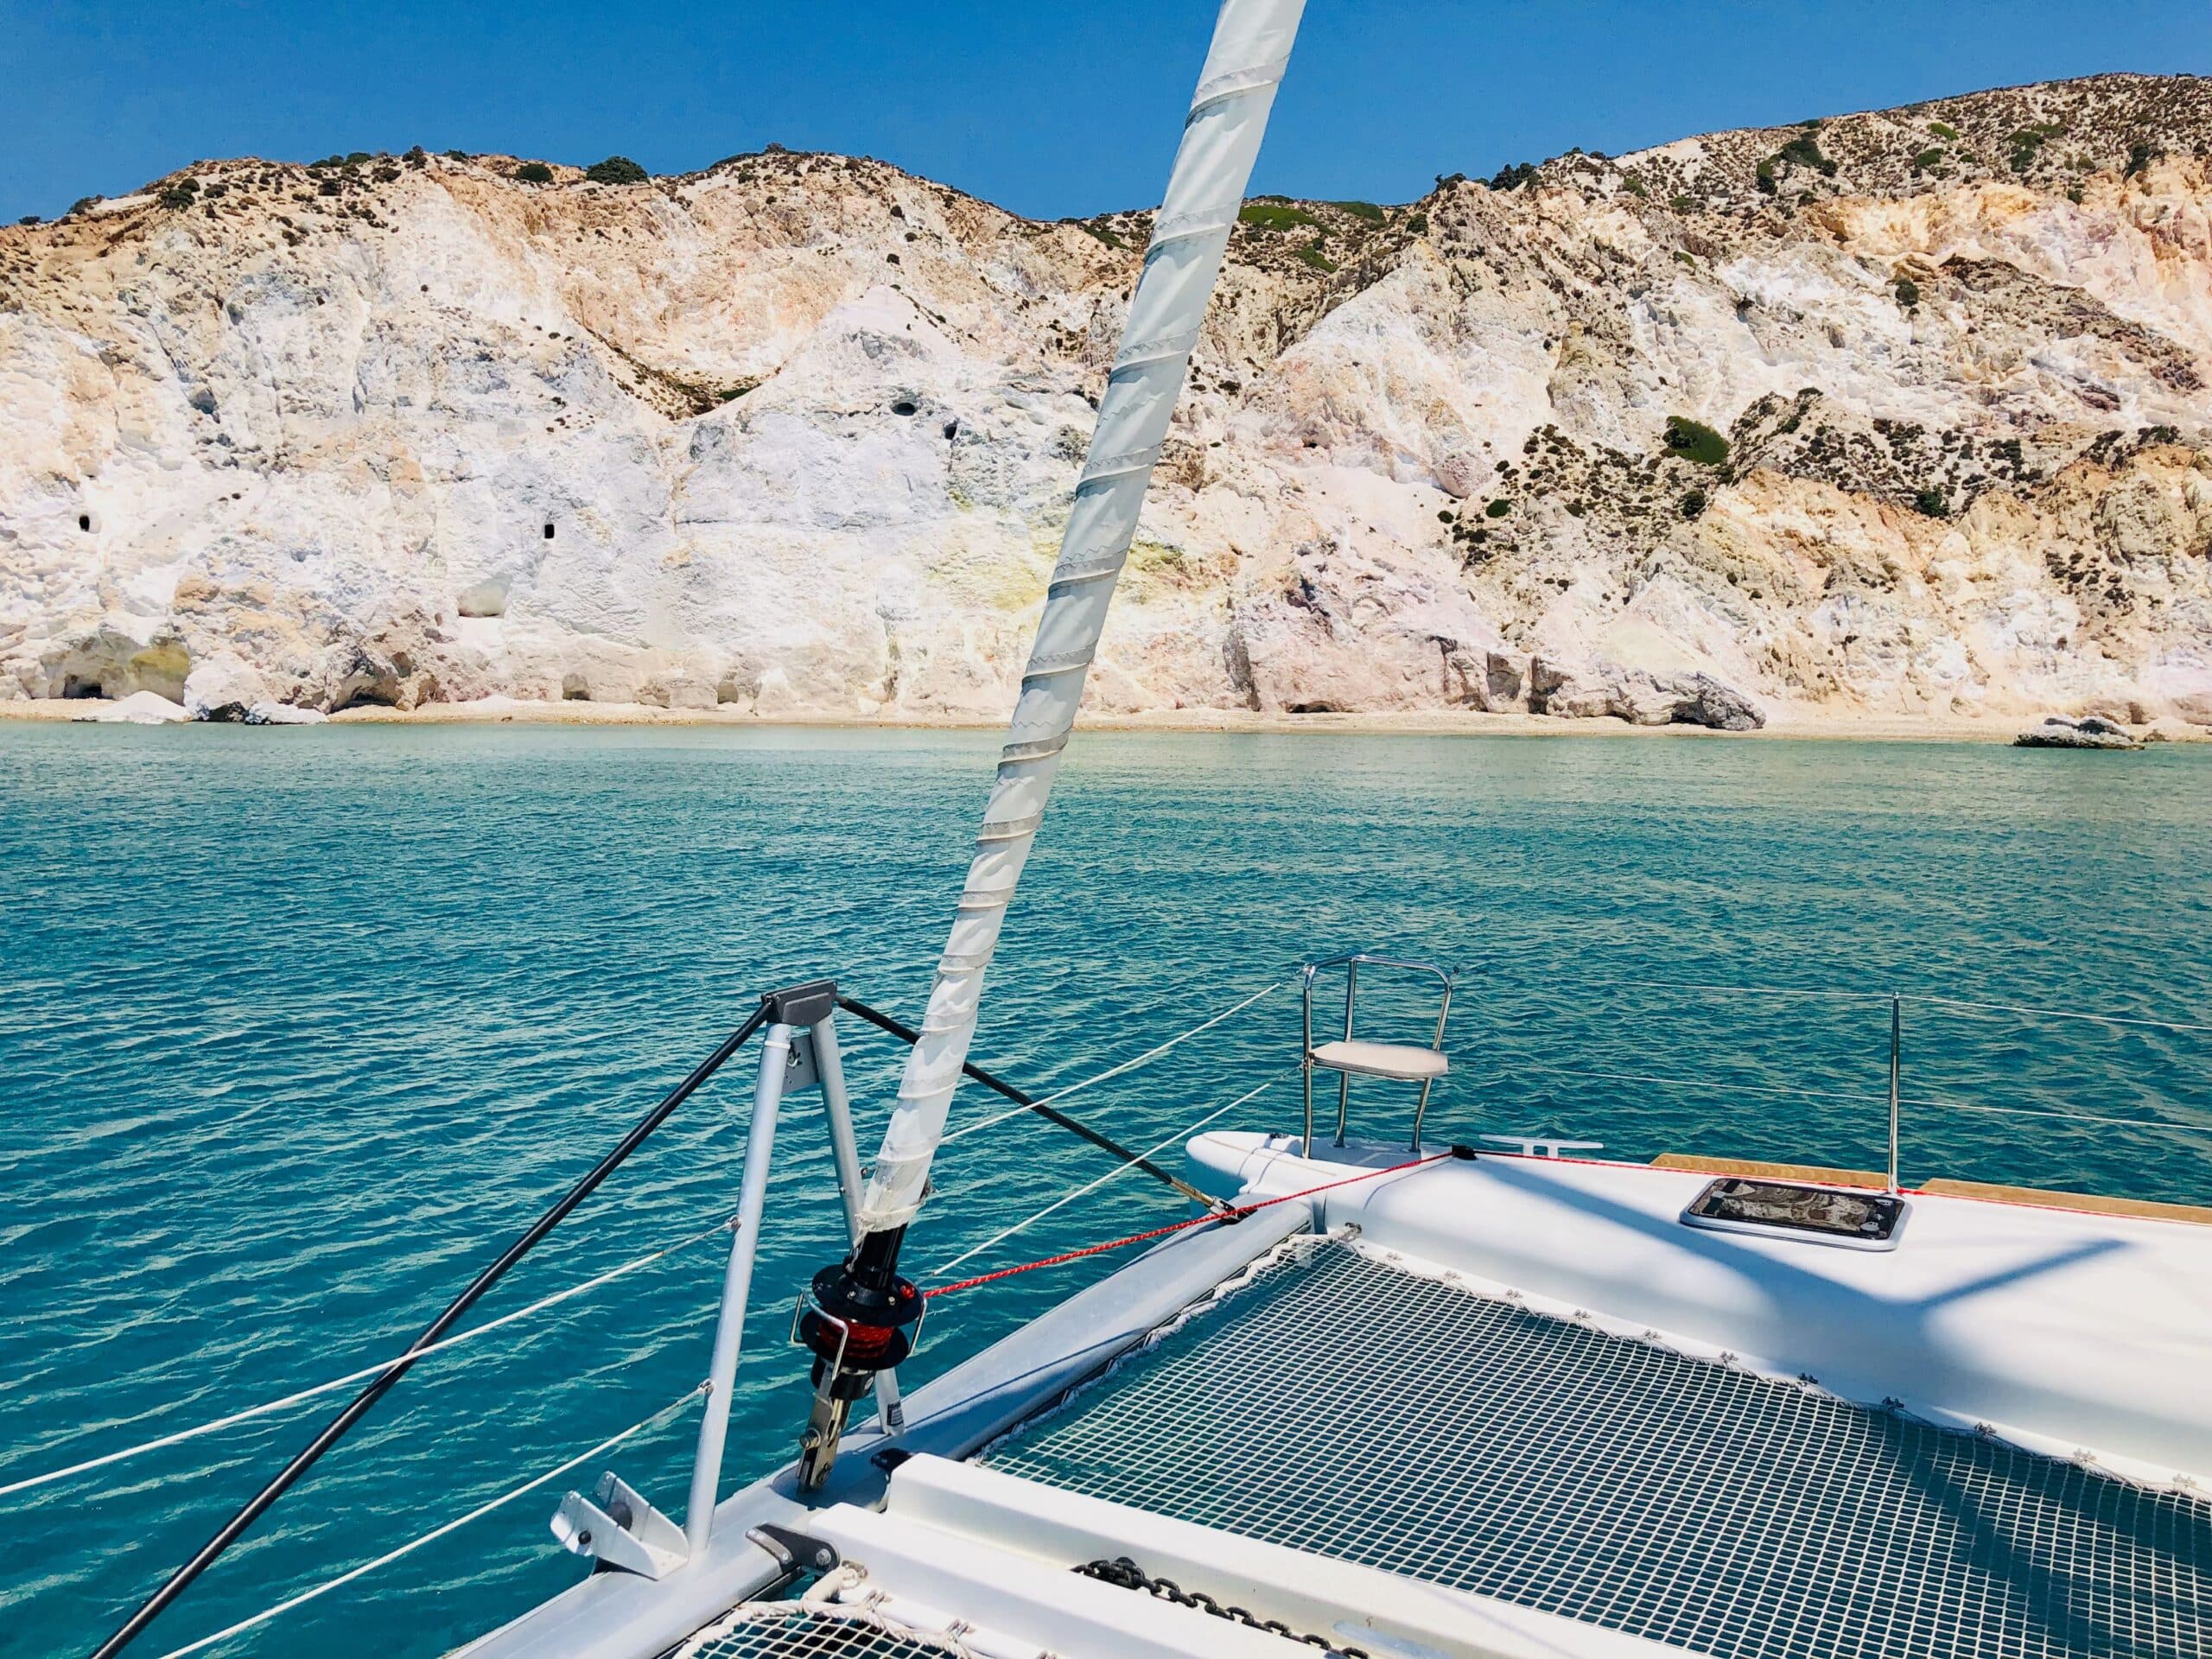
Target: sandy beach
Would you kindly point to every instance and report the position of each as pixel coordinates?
(1863, 727)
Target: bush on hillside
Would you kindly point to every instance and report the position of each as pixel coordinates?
(1805, 151)
(1274, 215)
(616, 170)
(1694, 440)
(534, 173)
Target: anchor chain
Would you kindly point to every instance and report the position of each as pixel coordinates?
(1126, 1574)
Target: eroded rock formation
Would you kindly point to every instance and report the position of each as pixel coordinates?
(1894, 413)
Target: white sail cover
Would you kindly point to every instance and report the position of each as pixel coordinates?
(1221, 139)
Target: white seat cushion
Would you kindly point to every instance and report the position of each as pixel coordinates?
(1398, 1061)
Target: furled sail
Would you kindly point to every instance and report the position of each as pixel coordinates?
(1221, 139)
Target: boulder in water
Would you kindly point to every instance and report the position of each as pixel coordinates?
(2090, 732)
(224, 687)
(1707, 702)
(267, 713)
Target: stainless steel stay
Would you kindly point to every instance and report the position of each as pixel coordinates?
(1348, 1056)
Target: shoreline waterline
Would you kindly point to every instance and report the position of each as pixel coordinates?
(1440, 722)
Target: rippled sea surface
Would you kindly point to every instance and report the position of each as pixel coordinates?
(297, 1027)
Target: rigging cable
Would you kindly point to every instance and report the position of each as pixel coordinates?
(436, 1533)
(365, 1373)
(1234, 1212)
(335, 1430)
(1070, 1198)
(1042, 1106)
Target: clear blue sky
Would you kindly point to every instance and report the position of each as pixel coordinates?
(1048, 107)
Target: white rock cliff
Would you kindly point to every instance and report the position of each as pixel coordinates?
(1895, 414)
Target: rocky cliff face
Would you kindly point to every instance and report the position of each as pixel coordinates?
(1893, 413)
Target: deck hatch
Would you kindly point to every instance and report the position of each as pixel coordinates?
(1340, 1405)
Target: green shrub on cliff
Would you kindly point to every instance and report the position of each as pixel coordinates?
(616, 170)
(534, 173)
(1693, 440)
(1274, 215)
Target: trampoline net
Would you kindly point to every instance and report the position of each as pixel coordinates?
(1339, 1405)
(786, 1630)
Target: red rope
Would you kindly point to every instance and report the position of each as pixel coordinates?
(1177, 1226)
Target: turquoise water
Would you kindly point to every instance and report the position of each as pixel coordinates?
(297, 1027)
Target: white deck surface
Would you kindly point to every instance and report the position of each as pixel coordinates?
(2062, 1331)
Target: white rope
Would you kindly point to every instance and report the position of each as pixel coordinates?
(1759, 990)
(1118, 1170)
(1111, 1073)
(361, 1375)
(2070, 1117)
(1717, 1087)
(1866, 1100)
(2061, 1013)
(432, 1536)
(1927, 998)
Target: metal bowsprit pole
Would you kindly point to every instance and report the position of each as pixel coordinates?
(737, 1287)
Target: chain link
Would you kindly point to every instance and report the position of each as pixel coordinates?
(1128, 1575)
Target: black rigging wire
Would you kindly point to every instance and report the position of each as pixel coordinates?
(908, 1035)
(181, 1580)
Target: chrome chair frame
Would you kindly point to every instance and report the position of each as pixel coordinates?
(1351, 963)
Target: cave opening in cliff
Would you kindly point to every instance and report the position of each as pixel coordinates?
(549, 532)
(75, 690)
(85, 521)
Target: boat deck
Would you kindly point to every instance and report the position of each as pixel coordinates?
(1341, 1404)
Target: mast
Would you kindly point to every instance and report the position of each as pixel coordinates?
(1221, 139)
(860, 1305)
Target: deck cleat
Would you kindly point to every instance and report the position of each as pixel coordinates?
(859, 1319)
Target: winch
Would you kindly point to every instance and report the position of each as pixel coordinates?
(859, 1319)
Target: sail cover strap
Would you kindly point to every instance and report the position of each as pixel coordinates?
(1221, 139)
